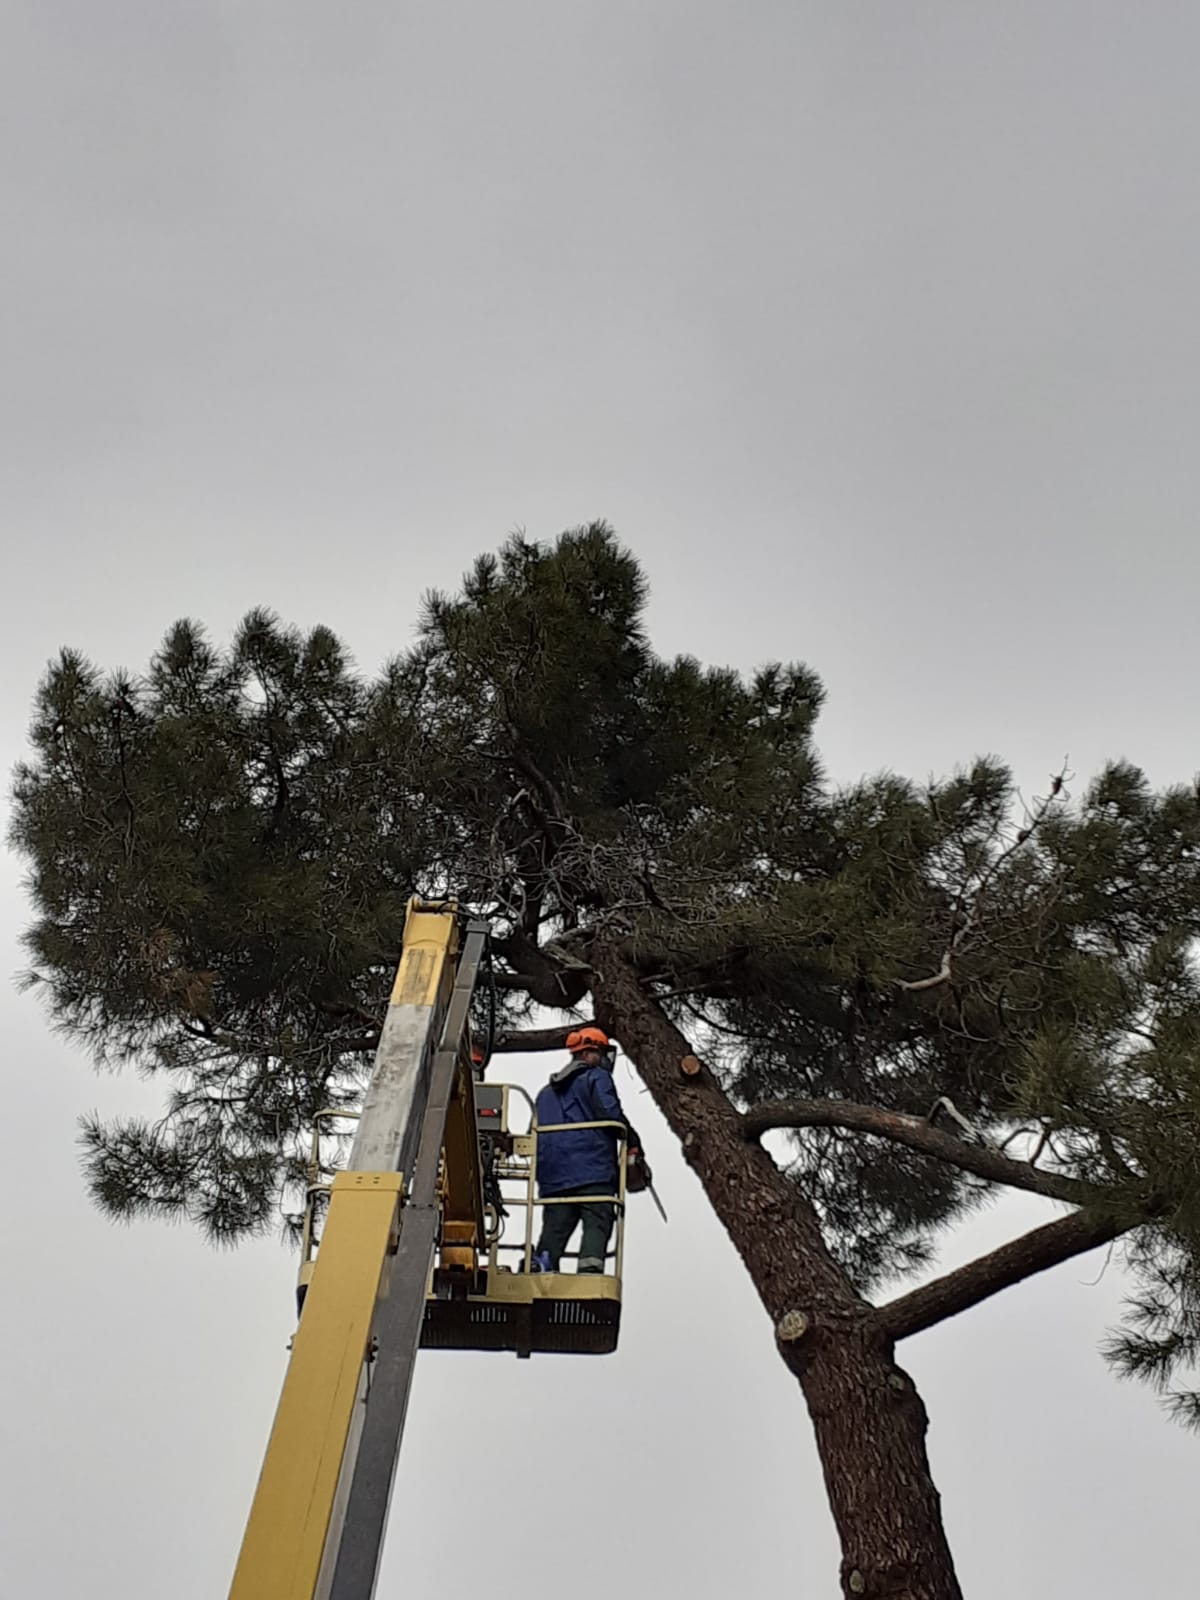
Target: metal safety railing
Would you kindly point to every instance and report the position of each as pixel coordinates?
(314, 1188)
(516, 1173)
(520, 1171)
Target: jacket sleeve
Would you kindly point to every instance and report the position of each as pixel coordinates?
(608, 1106)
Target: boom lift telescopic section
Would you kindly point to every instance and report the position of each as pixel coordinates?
(412, 1253)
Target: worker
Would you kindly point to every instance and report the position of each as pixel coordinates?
(584, 1161)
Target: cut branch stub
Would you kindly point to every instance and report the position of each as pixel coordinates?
(791, 1327)
(690, 1067)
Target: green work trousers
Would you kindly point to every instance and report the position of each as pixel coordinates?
(560, 1220)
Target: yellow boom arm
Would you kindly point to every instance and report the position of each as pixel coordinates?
(298, 1522)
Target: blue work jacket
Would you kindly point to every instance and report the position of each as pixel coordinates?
(584, 1157)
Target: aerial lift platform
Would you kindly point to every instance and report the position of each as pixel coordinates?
(406, 1248)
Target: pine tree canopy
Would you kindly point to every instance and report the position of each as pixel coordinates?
(937, 991)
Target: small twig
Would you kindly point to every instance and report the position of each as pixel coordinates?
(944, 1103)
(1043, 1141)
(1104, 1266)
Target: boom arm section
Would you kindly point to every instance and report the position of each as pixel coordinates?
(315, 1530)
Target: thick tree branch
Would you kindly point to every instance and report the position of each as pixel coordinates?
(917, 1134)
(358, 1042)
(1012, 1263)
(544, 979)
(511, 980)
(510, 1042)
(532, 773)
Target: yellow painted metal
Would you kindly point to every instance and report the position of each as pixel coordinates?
(515, 1308)
(462, 1200)
(295, 1520)
(308, 1236)
(458, 1245)
(289, 1521)
(429, 936)
(523, 1288)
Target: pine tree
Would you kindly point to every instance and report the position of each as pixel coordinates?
(938, 995)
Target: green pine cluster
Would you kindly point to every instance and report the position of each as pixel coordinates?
(221, 852)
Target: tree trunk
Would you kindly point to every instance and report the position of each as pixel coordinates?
(869, 1420)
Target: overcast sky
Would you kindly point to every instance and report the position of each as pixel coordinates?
(872, 328)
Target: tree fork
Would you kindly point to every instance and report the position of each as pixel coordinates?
(869, 1421)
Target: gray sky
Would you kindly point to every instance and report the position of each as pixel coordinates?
(872, 328)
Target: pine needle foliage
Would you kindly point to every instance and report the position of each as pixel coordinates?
(221, 850)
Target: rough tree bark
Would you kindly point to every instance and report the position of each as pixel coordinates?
(869, 1421)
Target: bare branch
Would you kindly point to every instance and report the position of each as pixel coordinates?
(943, 1103)
(942, 975)
(1012, 1263)
(916, 1134)
(970, 923)
(1043, 1141)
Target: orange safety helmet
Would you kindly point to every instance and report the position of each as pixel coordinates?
(587, 1039)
